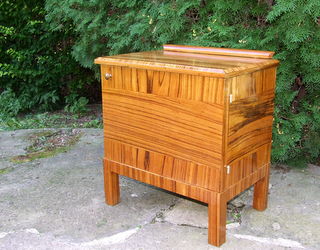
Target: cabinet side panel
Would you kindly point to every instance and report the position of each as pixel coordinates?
(246, 165)
(250, 113)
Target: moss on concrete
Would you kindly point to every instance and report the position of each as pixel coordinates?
(47, 144)
(5, 170)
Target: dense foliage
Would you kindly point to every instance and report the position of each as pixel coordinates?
(36, 67)
(102, 27)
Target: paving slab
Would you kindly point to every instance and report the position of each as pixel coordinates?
(58, 203)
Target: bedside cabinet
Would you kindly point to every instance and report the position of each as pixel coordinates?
(196, 121)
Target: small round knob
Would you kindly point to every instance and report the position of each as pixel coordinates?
(108, 76)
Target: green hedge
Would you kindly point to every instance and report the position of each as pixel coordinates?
(37, 70)
(105, 27)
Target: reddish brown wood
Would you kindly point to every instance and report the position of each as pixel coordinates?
(220, 66)
(219, 51)
(217, 213)
(196, 124)
(111, 185)
(162, 164)
(194, 192)
(260, 197)
(261, 188)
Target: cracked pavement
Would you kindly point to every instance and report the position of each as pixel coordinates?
(58, 203)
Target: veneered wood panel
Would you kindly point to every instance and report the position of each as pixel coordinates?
(250, 115)
(170, 167)
(178, 86)
(252, 84)
(178, 187)
(186, 129)
(250, 125)
(246, 165)
(246, 182)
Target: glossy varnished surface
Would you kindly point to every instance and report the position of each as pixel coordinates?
(166, 113)
(245, 166)
(161, 164)
(189, 63)
(219, 51)
(175, 85)
(250, 114)
(197, 124)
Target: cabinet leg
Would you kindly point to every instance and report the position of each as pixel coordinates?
(217, 213)
(111, 185)
(260, 195)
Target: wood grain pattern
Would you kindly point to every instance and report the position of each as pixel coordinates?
(164, 165)
(188, 63)
(217, 217)
(178, 86)
(260, 195)
(254, 84)
(187, 130)
(245, 166)
(250, 113)
(177, 120)
(219, 51)
(178, 187)
(111, 185)
(246, 182)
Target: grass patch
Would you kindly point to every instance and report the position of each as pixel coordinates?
(5, 170)
(57, 119)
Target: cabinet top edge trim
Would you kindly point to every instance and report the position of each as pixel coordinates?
(186, 69)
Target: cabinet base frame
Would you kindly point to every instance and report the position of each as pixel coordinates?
(217, 202)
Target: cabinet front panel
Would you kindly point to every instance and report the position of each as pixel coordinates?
(160, 112)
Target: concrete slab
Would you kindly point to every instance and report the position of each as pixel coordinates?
(58, 203)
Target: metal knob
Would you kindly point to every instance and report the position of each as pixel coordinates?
(108, 76)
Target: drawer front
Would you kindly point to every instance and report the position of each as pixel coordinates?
(173, 114)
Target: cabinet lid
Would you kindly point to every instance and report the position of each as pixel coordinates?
(209, 61)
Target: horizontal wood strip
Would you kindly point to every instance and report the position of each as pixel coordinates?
(178, 86)
(219, 51)
(178, 187)
(165, 165)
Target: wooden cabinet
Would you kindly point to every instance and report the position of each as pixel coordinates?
(192, 120)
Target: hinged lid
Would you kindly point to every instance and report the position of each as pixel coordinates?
(216, 62)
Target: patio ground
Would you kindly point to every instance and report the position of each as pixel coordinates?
(57, 202)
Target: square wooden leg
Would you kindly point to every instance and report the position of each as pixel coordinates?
(111, 185)
(217, 213)
(260, 195)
